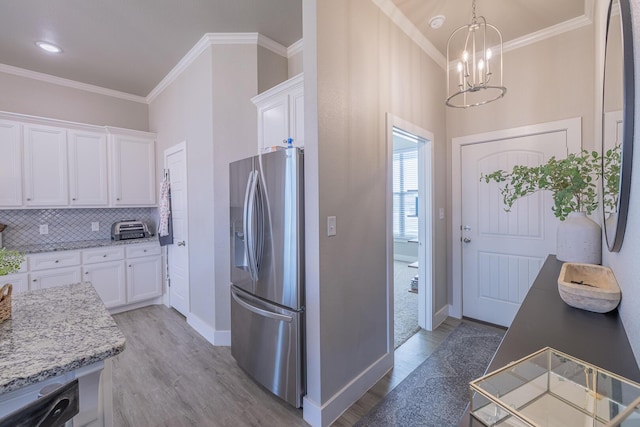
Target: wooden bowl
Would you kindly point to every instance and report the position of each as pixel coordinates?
(588, 287)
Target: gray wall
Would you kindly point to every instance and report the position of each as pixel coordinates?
(272, 69)
(366, 67)
(550, 80)
(38, 98)
(183, 112)
(209, 107)
(625, 263)
(295, 64)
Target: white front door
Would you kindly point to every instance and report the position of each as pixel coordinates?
(175, 160)
(502, 252)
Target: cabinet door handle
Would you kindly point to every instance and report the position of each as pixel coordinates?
(56, 261)
(86, 272)
(104, 256)
(28, 199)
(181, 243)
(35, 280)
(74, 199)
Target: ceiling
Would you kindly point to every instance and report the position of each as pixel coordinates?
(131, 45)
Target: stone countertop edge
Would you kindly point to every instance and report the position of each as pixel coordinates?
(54, 331)
(82, 244)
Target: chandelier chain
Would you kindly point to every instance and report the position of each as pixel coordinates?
(473, 10)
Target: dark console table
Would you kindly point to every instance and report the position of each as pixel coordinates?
(544, 320)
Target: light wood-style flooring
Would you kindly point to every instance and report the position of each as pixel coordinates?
(170, 376)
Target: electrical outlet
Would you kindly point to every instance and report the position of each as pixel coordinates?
(95, 226)
(44, 229)
(331, 226)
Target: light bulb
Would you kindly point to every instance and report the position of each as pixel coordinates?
(465, 56)
(460, 66)
(489, 54)
(480, 65)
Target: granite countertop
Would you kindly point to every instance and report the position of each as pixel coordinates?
(54, 331)
(83, 244)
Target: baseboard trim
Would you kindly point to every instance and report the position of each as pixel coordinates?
(440, 316)
(215, 337)
(122, 309)
(454, 313)
(324, 415)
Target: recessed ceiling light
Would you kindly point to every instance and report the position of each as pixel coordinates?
(437, 21)
(49, 47)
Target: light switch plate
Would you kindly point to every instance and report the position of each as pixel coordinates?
(331, 226)
(441, 213)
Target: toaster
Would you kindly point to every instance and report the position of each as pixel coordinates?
(129, 229)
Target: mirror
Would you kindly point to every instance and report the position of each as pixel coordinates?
(617, 122)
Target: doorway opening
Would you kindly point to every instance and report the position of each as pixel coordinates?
(410, 229)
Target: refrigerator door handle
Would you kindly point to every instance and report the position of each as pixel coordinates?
(259, 311)
(249, 203)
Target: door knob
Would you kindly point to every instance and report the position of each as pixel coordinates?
(466, 240)
(181, 243)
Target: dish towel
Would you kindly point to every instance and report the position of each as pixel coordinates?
(165, 229)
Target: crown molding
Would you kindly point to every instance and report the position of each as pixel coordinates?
(545, 33)
(392, 11)
(295, 48)
(210, 39)
(47, 78)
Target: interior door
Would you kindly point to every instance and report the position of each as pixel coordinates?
(502, 252)
(178, 253)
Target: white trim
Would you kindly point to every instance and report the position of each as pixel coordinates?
(404, 258)
(573, 128)
(391, 10)
(295, 48)
(48, 78)
(205, 42)
(426, 304)
(129, 307)
(325, 415)
(215, 337)
(398, 18)
(545, 33)
(440, 316)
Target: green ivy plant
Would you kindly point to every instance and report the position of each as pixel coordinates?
(10, 261)
(572, 181)
(611, 175)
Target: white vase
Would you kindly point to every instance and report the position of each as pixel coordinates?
(579, 239)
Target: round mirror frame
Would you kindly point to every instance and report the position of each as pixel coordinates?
(615, 236)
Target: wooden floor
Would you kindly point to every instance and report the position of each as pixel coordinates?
(170, 376)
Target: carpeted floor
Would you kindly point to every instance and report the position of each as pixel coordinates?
(437, 392)
(405, 303)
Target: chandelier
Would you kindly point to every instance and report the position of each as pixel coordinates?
(474, 64)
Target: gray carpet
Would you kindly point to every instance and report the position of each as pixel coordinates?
(437, 392)
(405, 304)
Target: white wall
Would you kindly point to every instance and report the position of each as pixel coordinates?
(38, 98)
(366, 67)
(295, 64)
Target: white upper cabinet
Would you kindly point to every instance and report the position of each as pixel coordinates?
(45, 166)
(10, 163)
(281, 114)
(87, 169)
(133, 171)
(47, 163)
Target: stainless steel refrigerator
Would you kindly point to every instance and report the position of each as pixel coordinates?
(267, 270)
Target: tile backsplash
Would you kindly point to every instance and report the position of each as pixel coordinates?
(67, 225)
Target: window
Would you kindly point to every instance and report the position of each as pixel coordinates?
(405, 186)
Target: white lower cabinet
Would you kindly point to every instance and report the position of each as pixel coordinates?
(43, 279)
(144, 272)
(108, 278)
(120, 274)
(19, 282)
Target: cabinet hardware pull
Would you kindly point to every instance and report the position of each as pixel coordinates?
(57, 261)
(104, 256)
